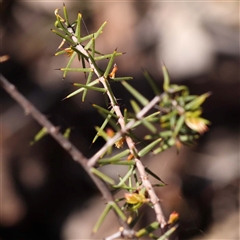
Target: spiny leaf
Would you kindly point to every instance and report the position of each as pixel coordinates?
(154, 175)
(151, 82)
(62, 27)
(124, 179)
(115, 158)
(66, 15)
(93, 47)
(167, 234)
(118, 79)
(135, 106)
(60, 52)
(63, 36)
(81, 89)
(76, 69)
(150, 228)
(197, 102)
(179, 125)
(131, 162)
(149, 147)
(118, 211)
(95, 35)
(106, 56)
(89, 78)
(135, 93)
(102, 217)
(103, 125)
(78, 27)
(103, 176)
(99, 89)
(166, 79)
(101, 109)
(69, 64)
(149, 119)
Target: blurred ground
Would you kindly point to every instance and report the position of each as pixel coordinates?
(44, 194)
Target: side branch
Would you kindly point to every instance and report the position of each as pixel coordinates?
(64, 143)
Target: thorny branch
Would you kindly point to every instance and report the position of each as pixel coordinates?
(131, 145)
(29, 108)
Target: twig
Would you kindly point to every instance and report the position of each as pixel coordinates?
(64, 143)
(131, 145)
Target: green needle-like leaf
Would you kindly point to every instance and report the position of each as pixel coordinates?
(136, 219)
(66, 15)
(115, 158)
(83, 39)
(167, 234)
(62, 27)
(149, 125)
(125, 178)
(151, 82)
(90, 87)
(103, 125)
(60, 52)
(135, 106)
(76, 69)
(125, 116)
(119, 79)
(93, 47)
(103, 110)
(102, 133)
(179, 125)
(87, 83)
(135, 93)
(165, 78)
(197, 102)
(149, 119)
(64, 37)
(106, 56)
(149, 147)
(67, 69)
(81, 89)
(95, 35)
(102, 217)
(131, 162)
(150, 228)
(103, 176)
(78, 27)
(166, 134)
(154, 175)
(118, 211)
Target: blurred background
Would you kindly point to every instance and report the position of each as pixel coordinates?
(46, 195)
